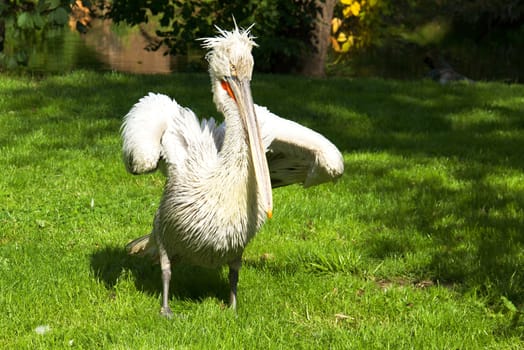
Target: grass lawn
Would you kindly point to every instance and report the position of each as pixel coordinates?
(419, 245)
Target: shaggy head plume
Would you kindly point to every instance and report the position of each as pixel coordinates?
(230, 53)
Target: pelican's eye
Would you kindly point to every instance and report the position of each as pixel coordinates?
(233, 70)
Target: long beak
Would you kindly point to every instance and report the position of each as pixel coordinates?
(242, 95)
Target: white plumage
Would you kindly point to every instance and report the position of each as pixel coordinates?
(218, 191)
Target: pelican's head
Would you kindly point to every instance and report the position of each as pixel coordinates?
(230, 59)
(231, 68)
(230, 54)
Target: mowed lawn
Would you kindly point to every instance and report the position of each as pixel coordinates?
(419, 245)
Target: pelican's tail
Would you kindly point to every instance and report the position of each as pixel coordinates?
(143, 246)
(142, 132)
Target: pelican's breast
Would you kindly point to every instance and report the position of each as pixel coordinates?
(208, 217)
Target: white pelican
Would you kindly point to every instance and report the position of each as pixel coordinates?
(218, 189)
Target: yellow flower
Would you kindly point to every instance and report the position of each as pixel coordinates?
(342, 37)
(335, 24)
(355, 8)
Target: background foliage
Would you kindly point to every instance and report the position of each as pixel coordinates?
(482, 38)
(283, 28)
(25, 24)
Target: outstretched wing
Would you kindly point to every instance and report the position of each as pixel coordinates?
(158, 130)
(297, 154)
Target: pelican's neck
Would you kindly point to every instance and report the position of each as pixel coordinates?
(235, 150)
(235, 160)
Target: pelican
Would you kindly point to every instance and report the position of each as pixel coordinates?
(218, 191)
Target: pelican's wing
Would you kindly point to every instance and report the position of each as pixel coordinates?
(158, 130)
(297, 154)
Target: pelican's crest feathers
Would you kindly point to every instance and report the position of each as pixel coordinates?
(230, 52)
(227, 38)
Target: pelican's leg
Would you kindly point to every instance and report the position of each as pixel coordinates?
(165, 265)
(234, 268)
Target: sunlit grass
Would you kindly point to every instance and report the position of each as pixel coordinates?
(419, 245)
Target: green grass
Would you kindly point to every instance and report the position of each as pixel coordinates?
(419, 245)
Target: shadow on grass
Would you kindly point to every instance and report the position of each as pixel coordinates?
(473, 234)
(75, 111)
(187, 282)
(484, 249)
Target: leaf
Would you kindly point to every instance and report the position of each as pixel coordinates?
(59, 16)
(343, 47)
(346, 46)
(38, 21)
(25, 21)
(52, 4)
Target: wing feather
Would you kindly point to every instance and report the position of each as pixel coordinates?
(158, 130)
(297, 154)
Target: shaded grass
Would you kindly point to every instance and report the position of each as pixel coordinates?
(419, 245)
